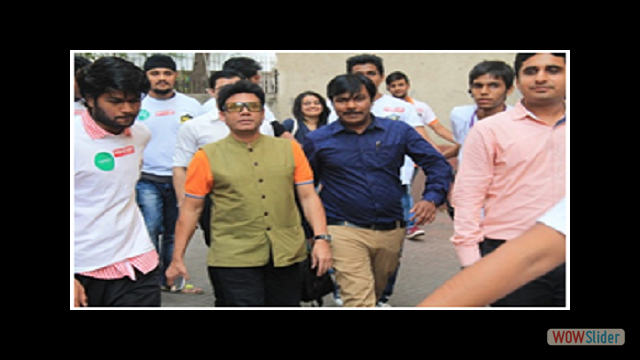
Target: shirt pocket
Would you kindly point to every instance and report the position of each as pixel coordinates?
(387, 156)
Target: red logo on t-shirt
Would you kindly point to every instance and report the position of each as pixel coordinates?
(124, 151)
(165, 113)
(394, 109)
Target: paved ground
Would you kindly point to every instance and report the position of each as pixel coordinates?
(426, 264)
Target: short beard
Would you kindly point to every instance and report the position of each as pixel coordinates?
(111, 124)
(162, 92)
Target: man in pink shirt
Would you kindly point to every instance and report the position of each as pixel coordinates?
(514, 169)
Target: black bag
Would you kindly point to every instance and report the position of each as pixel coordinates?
(314, 287)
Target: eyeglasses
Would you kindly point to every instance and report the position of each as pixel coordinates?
(239, 106)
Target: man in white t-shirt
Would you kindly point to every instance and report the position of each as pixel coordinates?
(164, 111)
(398, 85)
(115, 263)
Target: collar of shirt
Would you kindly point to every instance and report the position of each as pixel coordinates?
(360, 172)
(232, 140)
(522, 113)
(94, 131)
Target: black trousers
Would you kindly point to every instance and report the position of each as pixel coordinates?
(547, 290)
(259, 286)
(144, 292)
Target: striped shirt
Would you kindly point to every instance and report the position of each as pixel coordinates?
(145, 263)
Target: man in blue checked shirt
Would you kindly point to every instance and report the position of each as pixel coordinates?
(357, 159)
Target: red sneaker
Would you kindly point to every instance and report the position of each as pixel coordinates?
(414, 232)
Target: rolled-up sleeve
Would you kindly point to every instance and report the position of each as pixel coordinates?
(472, 184)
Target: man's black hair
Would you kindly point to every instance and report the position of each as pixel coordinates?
(497, 69)
(248, 67)
(522, 57)
(365, 59)
(395, 76)
(110, 74)
(80, 63)
(223, 74)
(352, 84)
(241, 87)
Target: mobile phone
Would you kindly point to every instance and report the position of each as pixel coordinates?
(179, 284)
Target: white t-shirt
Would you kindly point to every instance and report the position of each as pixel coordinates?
(556, 218)
(425, 112)
(109, 227)
(210, 105)
(203, 130)
(391, 108)
(164, 118)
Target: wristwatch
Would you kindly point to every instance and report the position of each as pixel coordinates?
(325, 237)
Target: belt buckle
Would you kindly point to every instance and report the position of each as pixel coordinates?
(354, 225)
(350, 224)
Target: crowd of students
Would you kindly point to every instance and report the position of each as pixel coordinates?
(151, 163)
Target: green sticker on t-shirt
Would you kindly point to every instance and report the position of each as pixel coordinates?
(143, 115)
(105, 161)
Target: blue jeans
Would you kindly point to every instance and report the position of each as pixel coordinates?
(159, 208)
(407, 204)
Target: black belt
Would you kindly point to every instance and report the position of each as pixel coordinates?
(376, 227)
(157, 178)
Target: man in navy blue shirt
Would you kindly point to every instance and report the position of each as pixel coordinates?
(358, 159)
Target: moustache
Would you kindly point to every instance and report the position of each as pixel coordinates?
(542, 87)
(129, 118)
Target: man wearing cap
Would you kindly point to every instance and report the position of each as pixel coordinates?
(163, 111)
